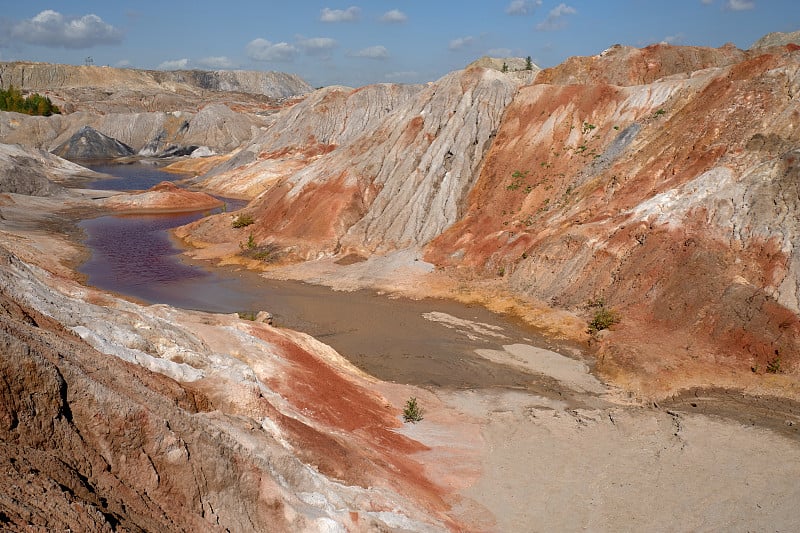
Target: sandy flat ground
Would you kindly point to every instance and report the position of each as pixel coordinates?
(596, 461)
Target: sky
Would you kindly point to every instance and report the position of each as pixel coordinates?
(360, 42)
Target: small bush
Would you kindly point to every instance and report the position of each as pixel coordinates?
(774, 366)
(412, 412)
(242, 221)
(269, 252)
(247, 315)
(604, 318)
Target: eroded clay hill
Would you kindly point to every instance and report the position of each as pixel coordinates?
(152, 112)
(662, 181)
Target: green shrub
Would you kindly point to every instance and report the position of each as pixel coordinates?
(11, 99)
(412, 412)
(242, 221)
(604, 318)
(774, 366)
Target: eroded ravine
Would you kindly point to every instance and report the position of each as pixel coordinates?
(420, 342)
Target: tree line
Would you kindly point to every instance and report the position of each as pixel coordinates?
(11, 99)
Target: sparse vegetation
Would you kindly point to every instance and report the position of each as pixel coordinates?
(247, 315)
(242, 221)
(528, 63)
(774, 365)
(505, 67)
(260, 252)
(518, 178)
(412, 412)
(603, 318)
(587, 127)
(11, 99)
(659, 113)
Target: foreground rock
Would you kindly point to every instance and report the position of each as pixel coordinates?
(166, 420)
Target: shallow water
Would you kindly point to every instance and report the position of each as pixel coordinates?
(387, 337)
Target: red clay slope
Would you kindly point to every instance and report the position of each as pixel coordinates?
(676, 202)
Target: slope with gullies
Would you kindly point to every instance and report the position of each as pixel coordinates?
(657, 181)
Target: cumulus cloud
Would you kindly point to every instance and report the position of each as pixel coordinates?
(740, 5)
(51, 28)
(460, 42)
(556, 18)
(264, 50)
(174, 64)
(316, 46)
(372, 52)
(395, 15)
(350, 14)
(216, 62)
(523, 7)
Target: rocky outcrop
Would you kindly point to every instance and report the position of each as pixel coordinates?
(513, 67)
(626, 66)
(29, 76)
(32, 172)
(777, 39)
(88, 143)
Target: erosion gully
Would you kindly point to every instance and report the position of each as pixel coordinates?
(390, 338)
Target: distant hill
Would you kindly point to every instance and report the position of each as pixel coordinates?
(30, 76)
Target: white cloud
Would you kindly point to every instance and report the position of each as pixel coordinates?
(523, 7)
(372, 52)
(123, 63)
(50, 28)
(395, 15)
(740, 5)
(555, 19)
(264, 50)
(216, 62)
(174, 64)
(460, 42)
(350, 14)
(317, 46)
(706, 2)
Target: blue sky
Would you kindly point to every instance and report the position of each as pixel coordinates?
(357, 42)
